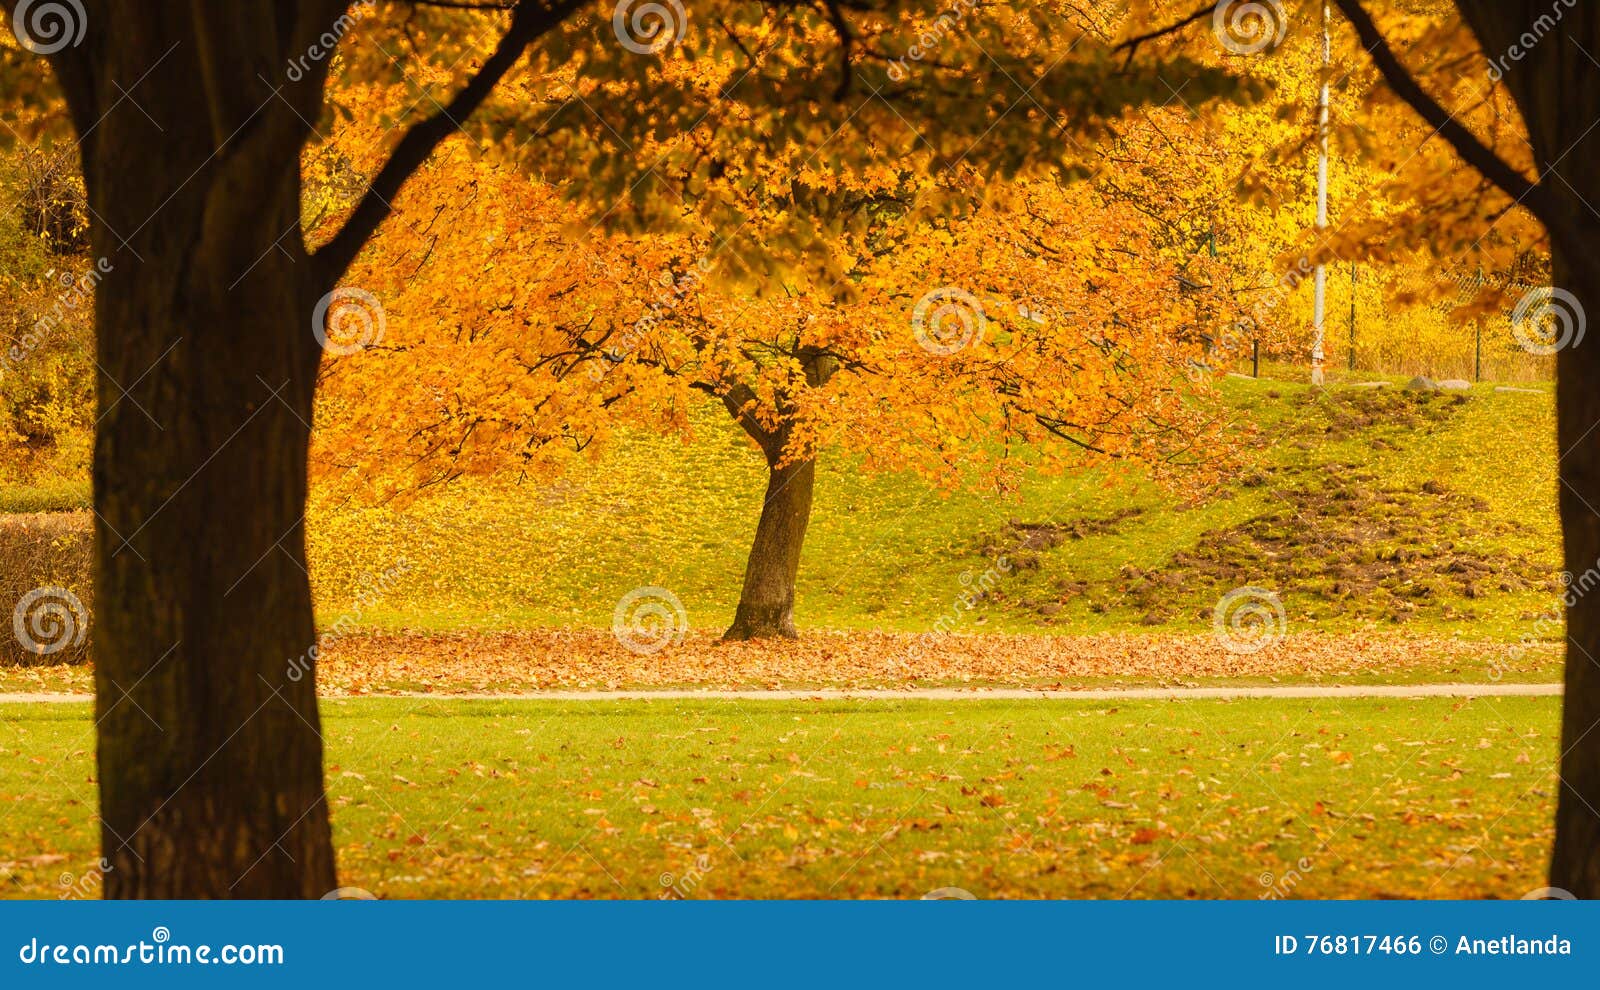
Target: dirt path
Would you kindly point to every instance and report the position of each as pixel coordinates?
(956, 694)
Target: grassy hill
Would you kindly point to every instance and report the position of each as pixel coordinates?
(1364, 509)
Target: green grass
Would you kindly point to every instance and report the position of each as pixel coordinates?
(1244, 799)
(1340, 484)
(48, 495)
(888, 552)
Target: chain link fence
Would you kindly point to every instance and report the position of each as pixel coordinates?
(1391, 320)
(1388, 320)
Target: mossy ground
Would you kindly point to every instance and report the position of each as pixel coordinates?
(1362, 509)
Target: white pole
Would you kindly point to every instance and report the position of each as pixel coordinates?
(1322, 200)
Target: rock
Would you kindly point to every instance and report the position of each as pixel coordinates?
(1422, 383)
(1455, 385)
(1523, 391)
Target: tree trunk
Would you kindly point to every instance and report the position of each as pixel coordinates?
(766, 604)
(1575, 862)
(1557, 86)
(210, 756)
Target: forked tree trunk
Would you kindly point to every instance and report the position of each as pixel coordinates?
(1556, 83)
(766, 603)
(209, 755)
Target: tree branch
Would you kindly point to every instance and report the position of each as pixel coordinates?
(1131, 46)
(529, 22)
(1535, 196)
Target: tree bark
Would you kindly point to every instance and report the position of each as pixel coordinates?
(1557, 86)
(1575, 860)
(766, 603)
(209, 752)
(192, 116)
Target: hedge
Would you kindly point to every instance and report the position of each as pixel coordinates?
(46, 588)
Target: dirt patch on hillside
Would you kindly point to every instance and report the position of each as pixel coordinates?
(1369, 553)
(1334, 534)
(1021, 543)
(1369, 412)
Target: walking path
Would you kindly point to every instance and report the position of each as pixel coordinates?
(960, 694)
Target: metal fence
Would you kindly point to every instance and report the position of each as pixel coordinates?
(1388, 320)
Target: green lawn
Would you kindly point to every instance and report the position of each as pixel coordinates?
(1362, 509)
(1244, 799)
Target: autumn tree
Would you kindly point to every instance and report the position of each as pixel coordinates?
(1071, 345)
(915, 318)
(191, 120)
(46, 348)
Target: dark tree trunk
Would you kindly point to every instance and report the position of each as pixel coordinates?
(209, 754)
(192, 116)
(766, 603)
(1557, 85)
(1575, 862)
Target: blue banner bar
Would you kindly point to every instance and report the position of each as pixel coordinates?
(798, 944)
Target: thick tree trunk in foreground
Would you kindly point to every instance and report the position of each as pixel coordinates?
(192, 117)
(766, 604)
(210, 757)
(1575, 862)
(1557, 85)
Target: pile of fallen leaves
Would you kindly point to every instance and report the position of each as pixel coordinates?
(593, 659)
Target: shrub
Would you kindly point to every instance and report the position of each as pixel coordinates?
(46, 588)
